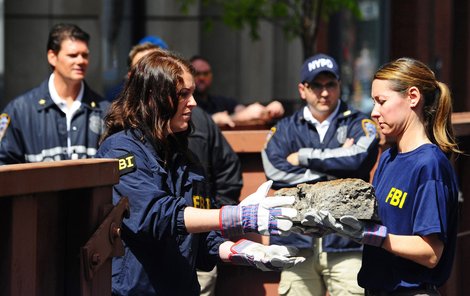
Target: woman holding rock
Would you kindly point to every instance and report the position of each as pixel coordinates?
(416, 187)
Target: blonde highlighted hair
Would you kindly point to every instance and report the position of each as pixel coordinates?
(404, 73)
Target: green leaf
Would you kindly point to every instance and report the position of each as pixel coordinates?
(290, 15)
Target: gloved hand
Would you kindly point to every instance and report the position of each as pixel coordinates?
(362, 232)
(314, 231)
(258, 213)
(313, 220)
(266, 258)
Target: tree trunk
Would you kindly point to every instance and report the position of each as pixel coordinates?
(312, 10)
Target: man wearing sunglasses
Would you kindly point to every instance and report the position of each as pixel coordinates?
(322, 141)
(227, 111)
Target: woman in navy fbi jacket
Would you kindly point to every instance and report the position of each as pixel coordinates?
(171, 229)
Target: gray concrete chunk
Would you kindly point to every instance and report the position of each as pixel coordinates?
(340, 197)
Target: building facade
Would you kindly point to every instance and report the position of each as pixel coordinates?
(436, 32)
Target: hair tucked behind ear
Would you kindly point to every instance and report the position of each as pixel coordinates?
(404, 73)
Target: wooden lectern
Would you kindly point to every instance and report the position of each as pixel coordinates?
(59, 228)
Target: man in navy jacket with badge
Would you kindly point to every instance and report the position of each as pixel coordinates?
(60, 119)
(322, 141)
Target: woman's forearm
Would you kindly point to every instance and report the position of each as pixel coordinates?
(201, 220)
(426, 250)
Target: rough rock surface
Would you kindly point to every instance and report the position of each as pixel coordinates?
(340, 197)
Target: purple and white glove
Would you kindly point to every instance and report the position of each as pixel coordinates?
(258, 213)
(362, 232)
(266, 258)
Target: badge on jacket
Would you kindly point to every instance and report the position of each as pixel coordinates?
(370, 128)
(95, 124)
(127, 164)
(4, 122)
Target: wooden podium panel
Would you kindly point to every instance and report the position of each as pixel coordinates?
(248, 145)
(48, 211)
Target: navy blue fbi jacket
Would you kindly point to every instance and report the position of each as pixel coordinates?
(161, 257)
(321, 161)
(35, 129)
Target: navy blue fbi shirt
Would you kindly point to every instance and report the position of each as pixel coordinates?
(422, 201)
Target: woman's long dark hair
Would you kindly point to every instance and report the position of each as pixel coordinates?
(149, 100)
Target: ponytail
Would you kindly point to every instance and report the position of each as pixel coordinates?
(442, 133)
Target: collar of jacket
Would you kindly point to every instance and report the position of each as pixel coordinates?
(45, 101)
(343, 112)
(139, 136)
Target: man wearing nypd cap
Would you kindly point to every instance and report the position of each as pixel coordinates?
(324, 140)
(61, 118)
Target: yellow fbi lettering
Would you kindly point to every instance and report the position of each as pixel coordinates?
(201, 202)
(396, 197)
(127, 164)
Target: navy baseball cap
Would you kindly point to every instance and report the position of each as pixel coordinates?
(155, 41)
(317, 64)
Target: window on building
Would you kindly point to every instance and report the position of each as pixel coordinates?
(360, 47)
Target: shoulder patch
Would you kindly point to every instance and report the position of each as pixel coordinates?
(370, 128)
(272, 131)
(127, 164)
(4, 123)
